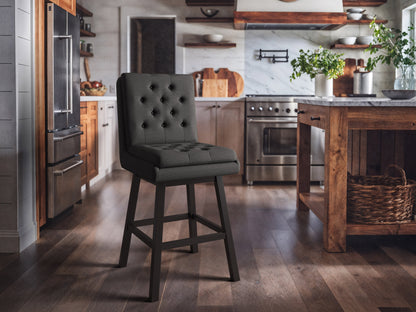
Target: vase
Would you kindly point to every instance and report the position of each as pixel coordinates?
(323, 86)
(405, 78)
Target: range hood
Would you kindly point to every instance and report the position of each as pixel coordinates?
(290, 15)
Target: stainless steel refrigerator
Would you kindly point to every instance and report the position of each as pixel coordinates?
(63, 110)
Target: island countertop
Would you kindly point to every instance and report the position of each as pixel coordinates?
(356, 101)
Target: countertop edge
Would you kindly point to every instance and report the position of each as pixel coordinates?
(98, 98)
(364, 102)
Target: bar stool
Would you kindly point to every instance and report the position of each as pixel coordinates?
(158, 143)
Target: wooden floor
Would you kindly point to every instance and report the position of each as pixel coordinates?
(282, 264)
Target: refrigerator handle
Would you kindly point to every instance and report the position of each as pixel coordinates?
(71, 90)
(69, 109)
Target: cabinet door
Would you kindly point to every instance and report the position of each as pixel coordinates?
(92, 142)
(111, 135)
(83, 147)
(206, 121)
(102, 120)
(67, 5)
(230, 128)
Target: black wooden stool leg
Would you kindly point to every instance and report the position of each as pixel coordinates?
(131, 210)
(157, 243)
(190, 194)
(225, 222)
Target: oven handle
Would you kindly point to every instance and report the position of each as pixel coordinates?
(271, 121)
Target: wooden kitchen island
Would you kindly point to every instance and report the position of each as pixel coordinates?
(337, 116)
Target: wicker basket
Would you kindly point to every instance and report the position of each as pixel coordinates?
(381, 199)
(95, 92)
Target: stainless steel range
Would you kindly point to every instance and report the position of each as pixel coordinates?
(270, 147)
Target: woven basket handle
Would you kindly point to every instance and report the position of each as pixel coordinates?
(399, 169)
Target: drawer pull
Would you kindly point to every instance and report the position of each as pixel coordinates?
(105, 125)
(301, 112)
(110, 106)
(315, 118)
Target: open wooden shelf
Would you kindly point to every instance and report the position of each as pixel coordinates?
(83, 11)
(209, 2)
(315, 202)
(210, 19)
(85, 53)
(85, 33)
(351, 46)
(364, 21)
(210, 45)
(367, 3)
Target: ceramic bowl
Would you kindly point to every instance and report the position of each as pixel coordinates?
(364, 39)
(354, 16)
(399, 94)
(355, 10)
(212, 37)
(369, 16)
(347, 40)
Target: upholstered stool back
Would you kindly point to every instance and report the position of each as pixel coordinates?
(163, 110)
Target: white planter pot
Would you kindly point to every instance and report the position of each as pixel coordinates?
(323, 86)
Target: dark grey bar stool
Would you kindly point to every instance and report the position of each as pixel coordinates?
(158, 143)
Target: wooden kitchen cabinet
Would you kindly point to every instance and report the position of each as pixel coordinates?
(67, 5)
(89, 140)
(222, 123)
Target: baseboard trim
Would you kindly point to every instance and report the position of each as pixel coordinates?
(9, 241)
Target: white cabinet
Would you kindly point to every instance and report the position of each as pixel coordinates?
(107, 137)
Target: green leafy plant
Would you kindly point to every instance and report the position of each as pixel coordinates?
(395, 47)
(320, 61)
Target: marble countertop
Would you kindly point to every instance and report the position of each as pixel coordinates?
(356, 101)
(98, 98)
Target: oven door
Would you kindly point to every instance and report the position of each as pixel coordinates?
(271, 141)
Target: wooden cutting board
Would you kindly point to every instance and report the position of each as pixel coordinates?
(235, 83)
(215, 88)
(345, 83)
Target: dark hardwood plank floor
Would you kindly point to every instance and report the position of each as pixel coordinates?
(283, 266)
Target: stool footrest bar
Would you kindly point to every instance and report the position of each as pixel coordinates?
(193, 240)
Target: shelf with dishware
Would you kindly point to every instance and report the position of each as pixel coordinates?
(85, 53)
(85, 33)
(365, 3)
(351, 46)
(209, 19)
(210, 45)
(365, 21)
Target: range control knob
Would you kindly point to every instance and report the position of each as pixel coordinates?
(270, 109)
(252, 108)
(276, 110)
(288, 110)
(260, 108)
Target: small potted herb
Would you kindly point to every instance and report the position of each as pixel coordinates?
(321, 64)
(397, 48)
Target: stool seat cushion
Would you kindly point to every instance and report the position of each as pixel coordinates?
(183, 154)
(178, 161)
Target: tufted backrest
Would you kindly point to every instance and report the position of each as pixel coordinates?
(155, 108)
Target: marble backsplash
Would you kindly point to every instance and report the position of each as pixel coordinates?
(264, 76)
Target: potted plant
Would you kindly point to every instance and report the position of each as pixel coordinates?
(397, 48)
(321, 64)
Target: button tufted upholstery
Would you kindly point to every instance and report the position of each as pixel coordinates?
(158, 139)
